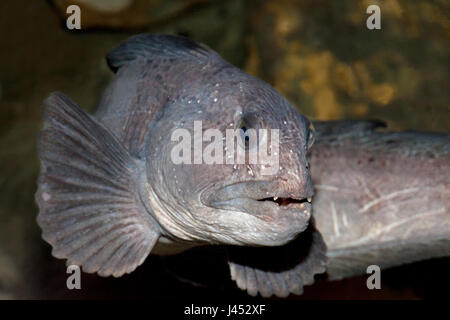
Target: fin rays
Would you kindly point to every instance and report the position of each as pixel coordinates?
(256, 279)
(89, 210)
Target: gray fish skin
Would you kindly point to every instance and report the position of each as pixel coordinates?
(380, 198)
(109, 193)
(161, 90)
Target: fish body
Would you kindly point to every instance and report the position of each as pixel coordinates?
(381, 198)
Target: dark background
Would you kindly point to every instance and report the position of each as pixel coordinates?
(319, 54)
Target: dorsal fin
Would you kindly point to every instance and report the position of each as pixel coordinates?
(346, 127)
(148, 46)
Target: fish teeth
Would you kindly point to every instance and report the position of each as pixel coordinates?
(309, 199)
(275, 198)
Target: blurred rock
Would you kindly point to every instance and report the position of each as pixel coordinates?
(106, 6)
(222, 25)
(9, 276)
(323, 58)
(125, 14)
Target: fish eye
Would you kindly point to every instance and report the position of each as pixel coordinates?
(245, 135)
(251, 120)
(249, 124)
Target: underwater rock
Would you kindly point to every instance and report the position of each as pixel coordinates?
(322, 57)
(125, 14)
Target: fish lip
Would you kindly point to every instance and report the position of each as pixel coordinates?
(266, 208)
(242, 195)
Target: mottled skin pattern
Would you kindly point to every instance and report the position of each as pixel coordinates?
(380, 198)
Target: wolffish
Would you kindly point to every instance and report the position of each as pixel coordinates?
(109, 193)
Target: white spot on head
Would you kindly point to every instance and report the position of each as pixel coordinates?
(46, 196)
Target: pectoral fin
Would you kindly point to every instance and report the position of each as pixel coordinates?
(280, 270)
(89, 208)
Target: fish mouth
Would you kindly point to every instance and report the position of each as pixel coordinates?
(260, 198)
(287, 202)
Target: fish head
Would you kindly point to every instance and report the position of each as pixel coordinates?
(203, 189)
